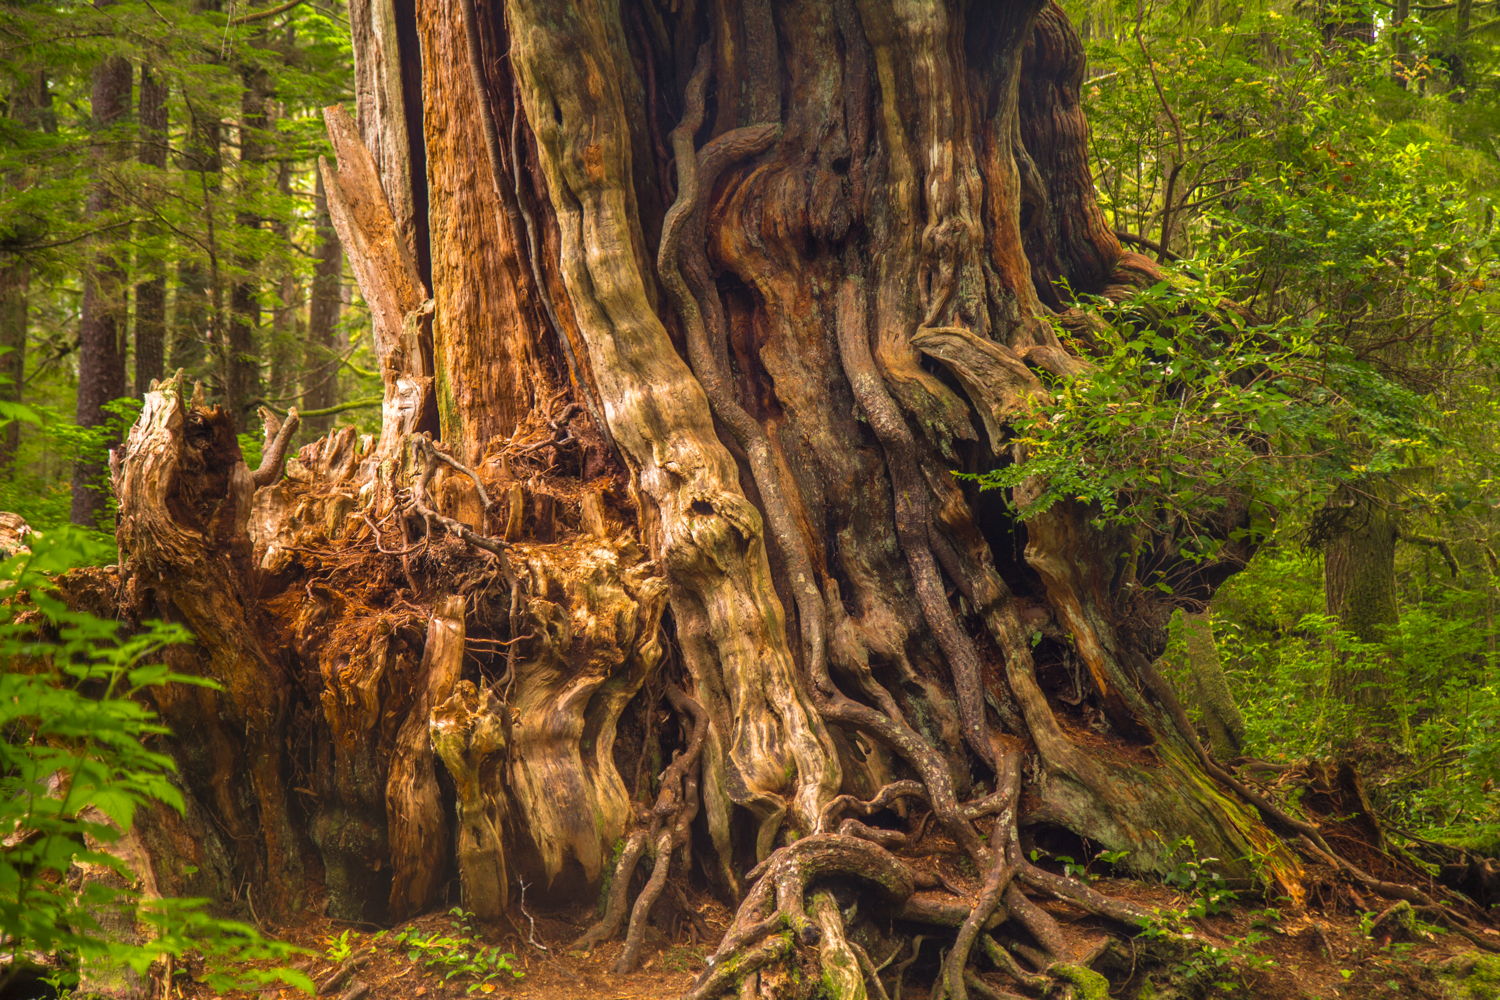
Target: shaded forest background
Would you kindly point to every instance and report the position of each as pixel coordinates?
(1331, 168)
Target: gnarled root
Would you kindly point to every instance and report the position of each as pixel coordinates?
(775, 908)
(670, 822)
(775, 904)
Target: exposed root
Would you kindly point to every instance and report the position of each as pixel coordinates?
(721, 977)
(1007, 963)
(614, 909)
(375, 535)
(870, 970)
(995, 885)
(776, 900)
(890, 793)
(1083, 896)
(670, 822)
(906, 963)
(984, 989)
(667, 842)
(843, 976)
(889, 839)
(421, 506)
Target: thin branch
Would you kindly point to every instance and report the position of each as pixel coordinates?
(261, 15)
(74, 239)
(1434, 542)
(353, 404)
(1147, 244)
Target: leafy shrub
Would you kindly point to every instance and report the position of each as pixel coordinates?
(458, 954)
(75, 768)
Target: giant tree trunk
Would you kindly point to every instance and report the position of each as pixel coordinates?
(686, 318)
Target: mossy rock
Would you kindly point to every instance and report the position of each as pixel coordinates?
(1399, 923)
(1087, 984)
(1470, 976)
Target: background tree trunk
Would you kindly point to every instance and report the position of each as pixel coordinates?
(287, 337)
(241, 360)
(196, 314)
(321, 366)
(1359, 585)
(1221, 716)
(28, 97)
(15, 286)
(151, 294)
(102, 318)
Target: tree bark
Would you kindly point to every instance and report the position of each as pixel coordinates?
(15, 288)
(286, 340)
(1359, 575)
(1216, 704)
(151, 294)
(241, 361)
(196, 310)
(28, 97)
(325, 301)
(102, 317)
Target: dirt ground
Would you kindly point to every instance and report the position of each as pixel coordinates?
(1247, 953)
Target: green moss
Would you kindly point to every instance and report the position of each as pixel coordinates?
(609, 874)
(1090, 985)
(1477, 981)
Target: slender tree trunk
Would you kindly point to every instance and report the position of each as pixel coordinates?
(196, 316)
(1216, 704)
(242, 377)
(102, 319)
(287, 335)
(151, 294)
(1401, 64)
(15, 287)
(325, 302)
(1359, 573)
(28, 101)
(1458, 57)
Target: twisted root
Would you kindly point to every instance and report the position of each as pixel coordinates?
(669, 824)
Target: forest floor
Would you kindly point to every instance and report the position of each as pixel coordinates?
(1248, 952)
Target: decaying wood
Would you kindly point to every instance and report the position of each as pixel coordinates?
(185, 503)
(414, 807)
(381, 111)
(387, 274)
(486, 325)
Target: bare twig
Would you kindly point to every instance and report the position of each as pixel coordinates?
(531, 936)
